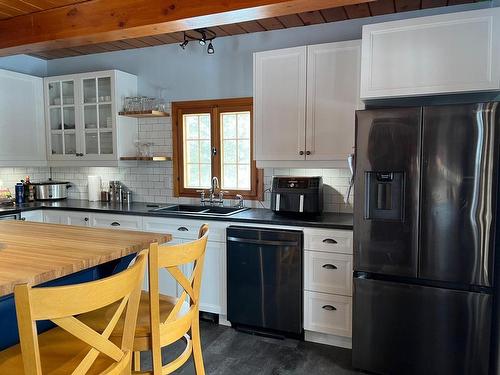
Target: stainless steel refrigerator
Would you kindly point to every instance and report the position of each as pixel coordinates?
(425, 226)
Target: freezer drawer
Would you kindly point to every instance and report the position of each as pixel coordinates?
(409, 329)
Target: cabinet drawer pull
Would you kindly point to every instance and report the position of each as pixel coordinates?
(329, 308)
(115, 224)
(329, 240)
(86, 219)
(301, 152)
(183, 229)
(329, 266)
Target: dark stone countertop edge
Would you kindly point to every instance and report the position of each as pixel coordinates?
(253, 215)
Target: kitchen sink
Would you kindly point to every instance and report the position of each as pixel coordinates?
(203, 210)
(182, 208)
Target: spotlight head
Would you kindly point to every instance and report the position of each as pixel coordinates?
(184, 44)
(203, 39)
(210, 49)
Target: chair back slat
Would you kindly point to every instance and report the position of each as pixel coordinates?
(61, 304)
(171, 257)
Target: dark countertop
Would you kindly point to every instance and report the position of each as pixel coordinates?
(254, 215)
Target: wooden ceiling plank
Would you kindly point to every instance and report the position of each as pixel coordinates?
(433, 3)
(457, 2)
(311, 18)
(218, 31)
(151, 40)
(96, 21)
(377, 8)
(407, 5)
(357, 10)
(21, 6)
(233, 29)
(271, 23)
(136, 43)
(251, 27)
(334, 14)
(291, 20)
(166, 38)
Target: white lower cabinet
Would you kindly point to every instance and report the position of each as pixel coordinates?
(213, 286)
(328, 286)
(327, 313)
(34, 216)
(124, 222)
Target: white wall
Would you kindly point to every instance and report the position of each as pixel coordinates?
(24, 64)
(192, 74)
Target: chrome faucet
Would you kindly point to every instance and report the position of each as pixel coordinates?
(213, 188)
(215, 185)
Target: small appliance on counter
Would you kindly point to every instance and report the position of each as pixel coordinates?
(299, 195)
(51, 190)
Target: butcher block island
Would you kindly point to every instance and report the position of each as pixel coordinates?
(37, 253)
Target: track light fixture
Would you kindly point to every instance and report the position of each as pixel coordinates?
(203, 36)
(210, 49)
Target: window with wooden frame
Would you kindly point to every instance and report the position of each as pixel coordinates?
(214, 138)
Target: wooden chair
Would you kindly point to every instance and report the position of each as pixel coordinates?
(73, 347)
(163, 320)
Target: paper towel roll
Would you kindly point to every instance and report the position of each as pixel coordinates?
(94, 188)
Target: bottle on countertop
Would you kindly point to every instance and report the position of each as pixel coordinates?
(29, 190)
(20, 192)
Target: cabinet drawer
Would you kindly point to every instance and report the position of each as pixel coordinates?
(328, 272)
(126, 222)
(326, 313)
(185, 229)
(335, 241)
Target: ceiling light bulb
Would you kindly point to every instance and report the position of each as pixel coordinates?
(210, 49)
(203, 39)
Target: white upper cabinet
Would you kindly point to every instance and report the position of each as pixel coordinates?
(451, 53)
(82, 121)
(22, 140)
(280, 104)
(304, 103)
(332, 99)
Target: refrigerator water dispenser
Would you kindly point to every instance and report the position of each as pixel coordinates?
(384, 195)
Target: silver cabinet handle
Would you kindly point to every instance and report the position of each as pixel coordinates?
(115, 224)
(329, 308)
(183, 229)
(329, 241)
(329, 266)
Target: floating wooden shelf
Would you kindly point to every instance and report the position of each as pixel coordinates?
(146, 158)
(142, 114)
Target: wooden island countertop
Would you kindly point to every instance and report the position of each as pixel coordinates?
(37, 252)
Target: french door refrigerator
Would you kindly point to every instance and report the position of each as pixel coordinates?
(426, 189)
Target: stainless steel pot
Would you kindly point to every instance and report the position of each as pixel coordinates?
(51, 190)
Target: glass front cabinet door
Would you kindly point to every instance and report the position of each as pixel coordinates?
(81, 113)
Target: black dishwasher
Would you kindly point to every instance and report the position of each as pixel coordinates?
(264, 279)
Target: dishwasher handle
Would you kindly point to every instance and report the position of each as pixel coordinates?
(263, 242)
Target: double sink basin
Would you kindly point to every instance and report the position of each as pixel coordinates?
(199, 210)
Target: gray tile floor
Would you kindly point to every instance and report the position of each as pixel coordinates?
(229, 352)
